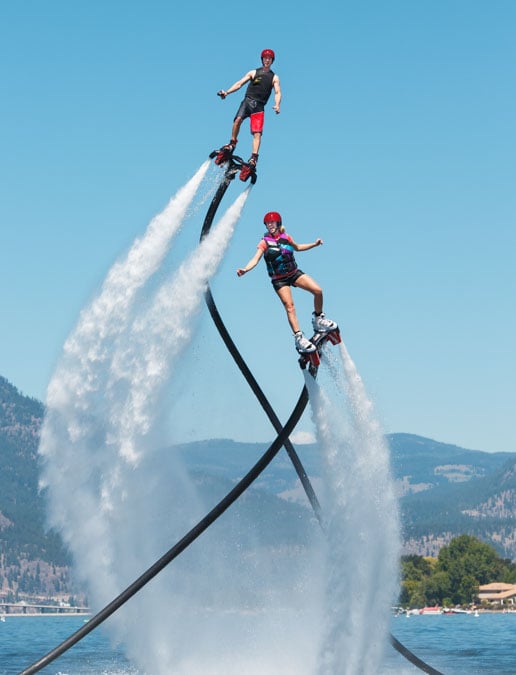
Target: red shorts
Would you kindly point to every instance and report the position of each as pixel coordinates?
(254, 110)
(256, 122)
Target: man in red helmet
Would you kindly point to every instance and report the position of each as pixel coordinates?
(277, 247)
(261, 83)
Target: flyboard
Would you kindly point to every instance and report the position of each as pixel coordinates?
(312, 359)
(236, 164)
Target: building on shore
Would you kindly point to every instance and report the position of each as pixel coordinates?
(498, 592)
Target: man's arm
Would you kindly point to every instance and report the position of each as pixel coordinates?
(277, 94)
(235, 87)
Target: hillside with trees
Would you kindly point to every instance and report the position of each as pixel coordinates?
(32, 561)
(445, 491)
(454, 576)
(484, 507)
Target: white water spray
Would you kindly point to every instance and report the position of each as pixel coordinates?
(78, 374)
(72, 443)
(120, 500)
(362, 523)
(102, 412)
(156, 337)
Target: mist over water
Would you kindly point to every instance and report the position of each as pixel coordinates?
(234, 601)
(118, 499)
(362, 522)
(79, 465)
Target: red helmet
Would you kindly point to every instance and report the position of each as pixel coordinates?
(268, 52)
(272, 217)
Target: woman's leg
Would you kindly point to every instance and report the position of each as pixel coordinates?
(308, 284)
(285, 295)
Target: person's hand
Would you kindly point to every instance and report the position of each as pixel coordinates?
(222, 94)
(319, 242)
(241, 271)
(276, 109)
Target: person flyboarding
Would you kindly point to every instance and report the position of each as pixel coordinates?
(261, 83)
(277, 247)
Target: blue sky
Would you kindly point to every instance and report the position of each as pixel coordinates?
(395, 144)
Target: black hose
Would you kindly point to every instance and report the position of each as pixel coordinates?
(237, 357)
(269, 411)
(410, 656)
(197, 530)
(282, 439)
(181, 545)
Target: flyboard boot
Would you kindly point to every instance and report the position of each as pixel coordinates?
(225, 153)
(249, 168)
(321, 324)
(303, 344)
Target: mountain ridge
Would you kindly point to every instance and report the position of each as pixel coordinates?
(444, 490)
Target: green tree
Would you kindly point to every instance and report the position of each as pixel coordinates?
(454, 577)
(436, 588)
(468, 590)
(509, 572)
(468, 563)
(409, 589)
(415, 567)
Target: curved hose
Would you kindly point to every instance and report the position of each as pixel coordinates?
(269, 411)
(282, 439)
(237, 357)
(181, 545)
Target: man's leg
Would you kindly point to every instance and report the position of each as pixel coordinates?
(236, 128)
(257, 120)
(257, 139)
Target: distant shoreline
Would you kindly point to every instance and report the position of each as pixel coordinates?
(30, 614)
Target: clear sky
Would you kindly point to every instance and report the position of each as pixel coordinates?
(396, 144)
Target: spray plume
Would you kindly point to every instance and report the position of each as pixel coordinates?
(362, 523)
(102, 463)
(82, 442)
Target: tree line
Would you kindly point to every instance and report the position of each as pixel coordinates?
(454, 576)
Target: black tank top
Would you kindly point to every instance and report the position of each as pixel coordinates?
(260, 87)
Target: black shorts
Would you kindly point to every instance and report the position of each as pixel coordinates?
(287, 281)
(248, 107)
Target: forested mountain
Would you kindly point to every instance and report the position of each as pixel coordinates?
(444, 491)
(30, 559)
(484, 507)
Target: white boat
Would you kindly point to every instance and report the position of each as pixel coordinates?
(431, 611)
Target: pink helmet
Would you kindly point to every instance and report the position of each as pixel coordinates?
(268, 52)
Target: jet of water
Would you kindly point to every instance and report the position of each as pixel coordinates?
(78, 466)
(78, 374)
(119, 500)
(159, 334)
(140, 484)
(71, 444)
(362, 523)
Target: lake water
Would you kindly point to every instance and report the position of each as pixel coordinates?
(449, 643)
(458, 643)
